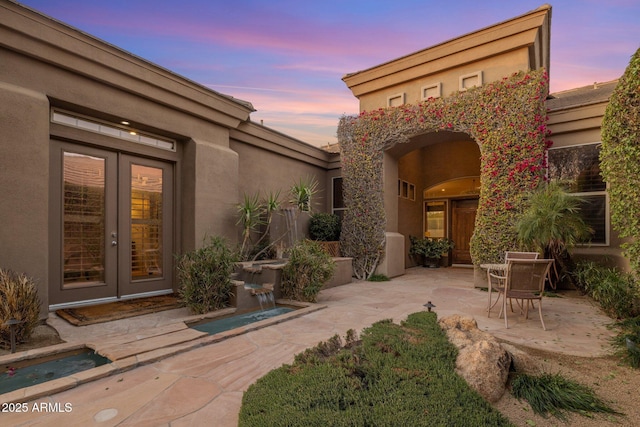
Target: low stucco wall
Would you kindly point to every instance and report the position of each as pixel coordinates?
(343, 274)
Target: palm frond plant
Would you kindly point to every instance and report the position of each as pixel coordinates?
(552, 224)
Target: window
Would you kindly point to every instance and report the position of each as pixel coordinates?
(435, 219)
(111, 129)
(431, 91)
(470, 80)
(406, 190)
(580, 167)
(338, 199)
(395, 100)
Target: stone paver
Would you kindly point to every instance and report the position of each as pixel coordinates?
(204, 385)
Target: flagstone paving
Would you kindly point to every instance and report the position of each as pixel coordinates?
(201, 381)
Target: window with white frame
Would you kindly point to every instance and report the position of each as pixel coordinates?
(406, 190)
(579, 165)
(396, 100)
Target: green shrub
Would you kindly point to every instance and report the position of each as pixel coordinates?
(615, 291)
(556, 395)
(378, 278)
(205, 276)
(307, 269)
(18, 300)
(324, 227)
(395, 375)
(620, 159)
(628, 340)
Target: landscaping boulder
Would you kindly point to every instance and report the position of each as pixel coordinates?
(522, 361)
(481, 361)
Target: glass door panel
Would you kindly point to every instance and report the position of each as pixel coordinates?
(146, 222)
(83, 219)
(84, 246)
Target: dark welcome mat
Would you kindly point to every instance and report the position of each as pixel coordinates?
(82, 316)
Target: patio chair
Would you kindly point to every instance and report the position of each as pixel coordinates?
(499, 275)
(524, 282)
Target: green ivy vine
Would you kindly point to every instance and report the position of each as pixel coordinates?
(507, 118)
(620, 158)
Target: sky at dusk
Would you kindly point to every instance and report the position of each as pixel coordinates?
(287, 57)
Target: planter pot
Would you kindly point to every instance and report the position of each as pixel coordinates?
(431, 262)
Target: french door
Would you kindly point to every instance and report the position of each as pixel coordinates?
(113, 225)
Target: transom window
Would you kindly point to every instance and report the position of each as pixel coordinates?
(111, 129)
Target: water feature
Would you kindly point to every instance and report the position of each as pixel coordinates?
(26, 373)
(265, 298)
(227, 323)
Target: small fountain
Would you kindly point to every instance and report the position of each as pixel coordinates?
(265, 298)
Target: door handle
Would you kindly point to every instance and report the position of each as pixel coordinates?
(114, 243)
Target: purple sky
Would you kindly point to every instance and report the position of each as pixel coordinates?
(287, 57)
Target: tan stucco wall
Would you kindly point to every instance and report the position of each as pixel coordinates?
(44, 63)
(24, 183)
(494, 68)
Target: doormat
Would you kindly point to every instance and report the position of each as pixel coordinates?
(82, 316)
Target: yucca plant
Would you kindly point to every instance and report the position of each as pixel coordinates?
(302, 193)
(552, 224)
(249, 217)
(18, 300)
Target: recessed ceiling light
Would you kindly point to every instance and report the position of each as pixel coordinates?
(124, 122)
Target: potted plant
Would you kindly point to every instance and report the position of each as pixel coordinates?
(429, 250)
(325, 228)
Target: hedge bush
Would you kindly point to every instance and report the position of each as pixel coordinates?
(308, 268)
(324, 227)
(396, 375)
(205, 276)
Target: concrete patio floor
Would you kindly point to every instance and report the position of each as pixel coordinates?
(196, 381)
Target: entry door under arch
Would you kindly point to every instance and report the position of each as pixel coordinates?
(463, 218)
(114, 236)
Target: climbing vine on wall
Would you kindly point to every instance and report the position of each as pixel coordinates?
(620, 158)
(508, 119)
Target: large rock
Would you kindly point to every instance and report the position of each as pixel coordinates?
(481, 361)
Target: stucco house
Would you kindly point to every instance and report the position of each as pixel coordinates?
(112, 164)
(432, 182)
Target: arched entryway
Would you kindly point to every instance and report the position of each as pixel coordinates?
(438, 188)
(507, 119)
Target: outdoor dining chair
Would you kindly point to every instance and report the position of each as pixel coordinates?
(498, 276)
(524, 281)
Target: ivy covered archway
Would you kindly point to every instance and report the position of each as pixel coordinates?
(508, 119)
